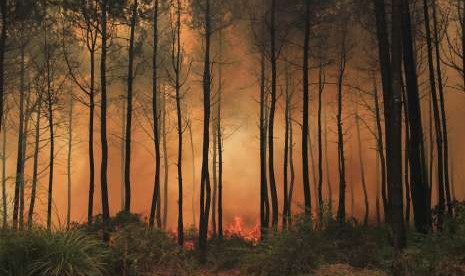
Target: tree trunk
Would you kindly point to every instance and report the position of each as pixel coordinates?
(103, 124)
(165, 165)
(385, 64)
(264, 201)
(416, 152)
(305, 127)
(177, 67)
(70, 151)
(35, 162)
(155, 114)
(127, 161)
(4, 177)
(3, 38)
(205, 189)
(191, 137)
(320, 141)
(328, 174)
(292, 169)
(90, 206)
(395, 126)
(437, 118)
(341, 212)
(20, 162)
(362, 169)
(407, 162)
(214, 168)
(445, 140)
(286, 215)
(51, 129)
(220, 139)
(274, 194)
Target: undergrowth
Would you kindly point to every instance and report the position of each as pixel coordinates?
(305, 248)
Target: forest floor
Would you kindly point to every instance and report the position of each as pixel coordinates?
(325, 249)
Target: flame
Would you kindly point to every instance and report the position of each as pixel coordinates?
(236, 229)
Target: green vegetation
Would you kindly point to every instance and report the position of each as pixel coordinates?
(134, 249)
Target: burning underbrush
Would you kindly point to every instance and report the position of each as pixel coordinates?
(237, 229)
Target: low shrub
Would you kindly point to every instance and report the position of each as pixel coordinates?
(142, 251)
(43, 253)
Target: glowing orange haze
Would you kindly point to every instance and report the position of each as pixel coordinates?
(241, 148)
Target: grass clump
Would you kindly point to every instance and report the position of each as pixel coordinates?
(43, 253)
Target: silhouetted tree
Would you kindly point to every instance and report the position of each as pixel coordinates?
(103, 121)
